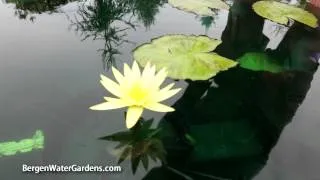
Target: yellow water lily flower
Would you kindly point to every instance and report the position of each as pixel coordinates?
(137, 90)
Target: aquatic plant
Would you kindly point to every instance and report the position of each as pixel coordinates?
(185, 57)
(282, 13)
(23, 146)
(137, 91)
(200, 7)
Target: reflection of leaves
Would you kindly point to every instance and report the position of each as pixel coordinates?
(145, 161)
(145, 10)
(124, 154)
(98, 21)
(200, 7)
(260, 62)
(27, 8)
(120, 136)
(139, 143)
(107, 20)
(207, 21)
(281, 13)
(266, 62)
(185, 57)
(135, 159)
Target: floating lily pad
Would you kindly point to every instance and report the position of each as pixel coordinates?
(184, 57)
(281, 13)
(199, 7)
(260, 62)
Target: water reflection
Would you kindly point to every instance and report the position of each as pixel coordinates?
(224, 132)
(145, 10)
(243, 32)
(108, 20)
(98, 21)
(139, 144)
(207, 22)
(25, 9)
(235, 126)
(227, 132)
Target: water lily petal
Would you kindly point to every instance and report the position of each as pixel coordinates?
(136, 70)
(133, 115)
(158, 107)
(162, 95)
(160, 76)
(105, 106)
(116, 101)
(147, 70)
(152, 70)
(148, 76)
(126, 70)
(111, 86)
(119, 77)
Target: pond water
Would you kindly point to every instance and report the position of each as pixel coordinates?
(245, 124)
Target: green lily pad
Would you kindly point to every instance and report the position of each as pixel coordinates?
(199, 7)
(260, 62)
(184, 57)
(281, 13)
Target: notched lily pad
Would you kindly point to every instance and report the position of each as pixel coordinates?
(281, 13)
(199, 7)
(184, 57)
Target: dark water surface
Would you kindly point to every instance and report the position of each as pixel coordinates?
(255, 125)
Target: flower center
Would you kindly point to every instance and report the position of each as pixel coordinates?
(138, 93)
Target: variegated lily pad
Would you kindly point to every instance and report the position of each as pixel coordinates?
(281, 13)
(184, 57)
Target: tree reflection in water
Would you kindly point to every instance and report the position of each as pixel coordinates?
(108, 20)
(26, 9)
